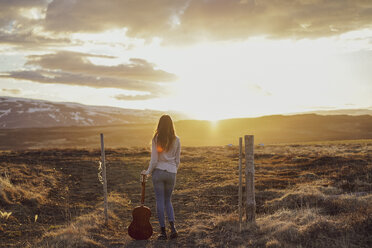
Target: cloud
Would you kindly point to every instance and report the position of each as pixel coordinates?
(58, 77)
(29, 39)
(134, 97)
(137, 69)
(37, 22)
(12, 91)
(21, 23)
(190, 20)
(72, 68)
(11, 11)
(138, 16)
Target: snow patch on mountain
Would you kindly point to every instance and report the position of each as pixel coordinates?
(5, 112)
(33, 110)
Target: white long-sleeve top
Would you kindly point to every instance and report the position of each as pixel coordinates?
(165, 160)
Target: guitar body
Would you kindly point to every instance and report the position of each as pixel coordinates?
(140, 228)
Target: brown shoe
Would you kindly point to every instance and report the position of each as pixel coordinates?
(174, 233)
(163, 234)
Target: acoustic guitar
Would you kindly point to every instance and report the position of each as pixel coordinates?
(140, 228)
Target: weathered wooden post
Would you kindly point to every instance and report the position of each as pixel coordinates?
(104, 179)
(249, 179)
(240, 184)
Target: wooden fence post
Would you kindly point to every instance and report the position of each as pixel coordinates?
(104, 179)
(240, 184)
(249, 179)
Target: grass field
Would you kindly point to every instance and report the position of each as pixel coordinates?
(307, 195)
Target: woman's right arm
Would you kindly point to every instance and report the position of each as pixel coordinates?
(178, 153)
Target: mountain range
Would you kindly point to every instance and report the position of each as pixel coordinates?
(30, 113)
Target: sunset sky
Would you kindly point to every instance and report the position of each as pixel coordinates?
(211, 59)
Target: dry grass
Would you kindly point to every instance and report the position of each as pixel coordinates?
(76, 234)
(5, 215)
(307, 196)
(25, 184)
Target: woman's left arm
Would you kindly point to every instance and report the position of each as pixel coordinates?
(153, 160)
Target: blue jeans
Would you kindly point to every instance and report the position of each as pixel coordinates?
(164, 182)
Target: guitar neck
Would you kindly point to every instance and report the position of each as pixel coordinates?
(143, 190)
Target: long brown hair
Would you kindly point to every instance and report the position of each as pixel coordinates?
(164, 133)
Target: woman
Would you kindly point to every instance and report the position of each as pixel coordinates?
(165, 159)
